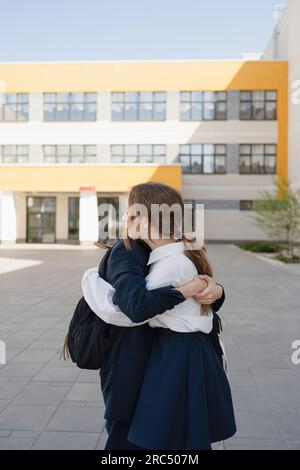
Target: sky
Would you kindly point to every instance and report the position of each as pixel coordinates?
(54, 30)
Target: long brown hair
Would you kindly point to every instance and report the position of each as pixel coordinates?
(151, 193)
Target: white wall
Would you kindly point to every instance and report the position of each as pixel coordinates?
(166, 132)
(285, 45)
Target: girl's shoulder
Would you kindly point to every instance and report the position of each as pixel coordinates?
(138, 248)
(176, 268)
(123, 259)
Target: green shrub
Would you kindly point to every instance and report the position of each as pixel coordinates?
(288, 259)
(262, 247)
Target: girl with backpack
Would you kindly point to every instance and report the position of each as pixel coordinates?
(183, 398)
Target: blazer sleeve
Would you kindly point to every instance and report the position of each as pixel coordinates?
(98, 294)
(218, 303)
(131, 294)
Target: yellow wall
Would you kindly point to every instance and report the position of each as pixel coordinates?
(139, 76)
(108, 178)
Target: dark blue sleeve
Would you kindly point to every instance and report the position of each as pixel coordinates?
(218, 303)
(131, 294)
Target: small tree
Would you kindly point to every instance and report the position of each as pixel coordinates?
(278, 214)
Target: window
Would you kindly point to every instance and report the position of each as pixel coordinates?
(138, 153)
(138, 106)
(246, 205)
(203, 105)
(14, 153)
(73, 218)
(110, 213)
(258, 105)
(70, 153)
(70, 106)
(258, 159)
(203, 158)
(41, 215)
(14, 107)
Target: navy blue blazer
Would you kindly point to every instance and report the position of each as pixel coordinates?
(126, 271)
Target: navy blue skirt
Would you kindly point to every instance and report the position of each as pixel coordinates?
(185, 401)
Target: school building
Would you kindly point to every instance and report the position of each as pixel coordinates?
(76, 134)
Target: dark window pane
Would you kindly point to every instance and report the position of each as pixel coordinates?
(245, 165)
(220, 165)
(270, 165)
(196, 165)
(185, 162)
(271, 111)
(257, 164)
(221, 111)
(258, 110)
(245, 111)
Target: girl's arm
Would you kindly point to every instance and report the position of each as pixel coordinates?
(129, 291)
(98, 294)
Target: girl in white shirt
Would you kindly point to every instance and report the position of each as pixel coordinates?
(185, 399)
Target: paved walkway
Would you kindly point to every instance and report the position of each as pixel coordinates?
(49, 404)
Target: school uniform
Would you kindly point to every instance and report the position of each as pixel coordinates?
(126, 271)
(141, 300)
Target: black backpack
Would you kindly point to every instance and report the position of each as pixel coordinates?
(89, 338)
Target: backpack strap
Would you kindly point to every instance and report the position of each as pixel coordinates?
(103, 263)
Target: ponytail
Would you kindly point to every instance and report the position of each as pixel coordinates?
(200, 260)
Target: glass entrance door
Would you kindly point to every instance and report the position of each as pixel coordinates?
(41, 213)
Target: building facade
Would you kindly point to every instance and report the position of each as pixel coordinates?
(285, 45)
(73, 135)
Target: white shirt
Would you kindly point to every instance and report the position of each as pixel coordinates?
(168, 266)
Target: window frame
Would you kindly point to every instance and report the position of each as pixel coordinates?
(69, 103)
(15, 154)
(251, 102)
(56, 154)
(138, 103)
(215, 155)
(202, 102)
(138, 154)
(264, 155)
(18, 102)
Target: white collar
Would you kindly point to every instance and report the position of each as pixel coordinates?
(166, 250)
